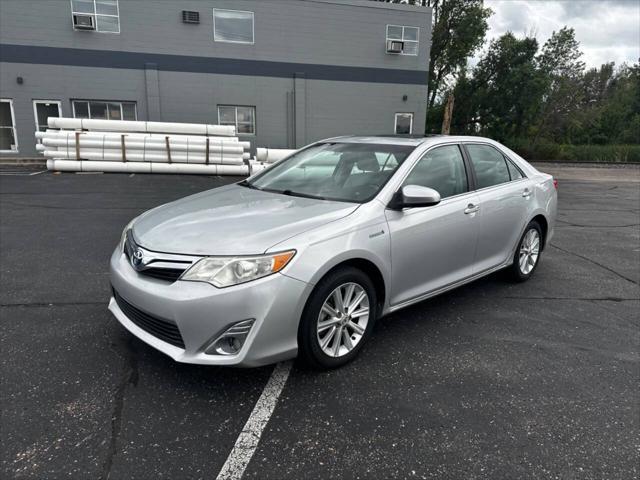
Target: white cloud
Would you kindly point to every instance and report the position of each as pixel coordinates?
(607, 30)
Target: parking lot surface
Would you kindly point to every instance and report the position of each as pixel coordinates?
(493, 380)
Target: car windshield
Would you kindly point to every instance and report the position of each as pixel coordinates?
(350, 172)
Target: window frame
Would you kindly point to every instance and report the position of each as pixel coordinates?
(35, 110)
(506, 159)
(121, 102)
(417, 41)
(395, 123)
(13, 127)
(253, 26)
(235, 107)
(465, 163)
(95, 16)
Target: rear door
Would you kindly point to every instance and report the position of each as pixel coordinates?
(504, 195)
(432, 247)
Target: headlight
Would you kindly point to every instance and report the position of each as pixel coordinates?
(123, 237)
(227, 271)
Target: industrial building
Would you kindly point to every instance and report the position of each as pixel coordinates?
(283, 72)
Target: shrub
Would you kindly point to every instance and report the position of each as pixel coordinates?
(576, 153)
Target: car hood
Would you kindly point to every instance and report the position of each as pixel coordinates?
(232, 220)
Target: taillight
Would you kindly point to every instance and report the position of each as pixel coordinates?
(555, 183)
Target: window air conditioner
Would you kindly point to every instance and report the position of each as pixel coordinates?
(83, 22)
(395, 46)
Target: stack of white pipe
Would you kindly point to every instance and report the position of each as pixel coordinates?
(272, 155)
(126, 146)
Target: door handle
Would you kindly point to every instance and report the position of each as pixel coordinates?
(526, 193)
(471, 208)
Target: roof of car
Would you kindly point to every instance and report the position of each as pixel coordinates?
(410, 140)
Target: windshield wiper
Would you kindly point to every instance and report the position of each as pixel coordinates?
(244, 183)
(299, 194)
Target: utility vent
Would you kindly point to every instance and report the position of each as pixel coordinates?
(395, 46)
(189, 16)
(83, 22)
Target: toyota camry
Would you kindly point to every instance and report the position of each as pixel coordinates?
(305, 256)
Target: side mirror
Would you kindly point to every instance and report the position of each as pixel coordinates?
(412, 196)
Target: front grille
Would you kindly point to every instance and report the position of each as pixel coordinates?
(162, 329)
(165, 272)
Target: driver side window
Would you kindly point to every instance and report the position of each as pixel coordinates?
(441, 169)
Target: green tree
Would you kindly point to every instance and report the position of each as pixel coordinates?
(560, 65)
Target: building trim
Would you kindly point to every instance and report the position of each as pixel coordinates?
(196, 64)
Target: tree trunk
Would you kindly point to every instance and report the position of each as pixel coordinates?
(448, 114)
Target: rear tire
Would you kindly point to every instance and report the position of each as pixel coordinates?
(338, 319)
(527, 256)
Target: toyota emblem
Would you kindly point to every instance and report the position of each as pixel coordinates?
(136, 258)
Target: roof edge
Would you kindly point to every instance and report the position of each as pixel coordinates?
(374, 4)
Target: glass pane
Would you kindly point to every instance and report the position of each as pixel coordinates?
(108, 24)
(99, 110)
(7, 142)
(5, 115)
(129, 111)
(513, 171)
(107, 7)
(245, 114)
(394, 32)
(81, 109)
(44, 111)
(114, 111)
(403, 123)
(82, 6)
(489, 165)
(410, 33)
(441, 169)
(227, 115)
(410, 48)
(245, 128)
(231, 26)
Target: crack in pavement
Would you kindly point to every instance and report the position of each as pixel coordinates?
(596, 263)
(129, 376)
(52, 304)
(586, 299)
(598, 226)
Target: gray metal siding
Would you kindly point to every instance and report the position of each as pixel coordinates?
(289, 112)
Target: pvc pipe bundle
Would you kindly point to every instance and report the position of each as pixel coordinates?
(271, 155)
(152, 147)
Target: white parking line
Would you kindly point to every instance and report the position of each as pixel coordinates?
(249, 438)
(21, 173)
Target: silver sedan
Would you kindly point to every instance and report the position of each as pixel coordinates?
(304, 257)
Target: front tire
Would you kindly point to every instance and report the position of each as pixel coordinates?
(338, 318)
(527, 256)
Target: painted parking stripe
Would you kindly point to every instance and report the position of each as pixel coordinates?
(249, 438)
(21, 173)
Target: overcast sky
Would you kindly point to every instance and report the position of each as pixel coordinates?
(608, 30)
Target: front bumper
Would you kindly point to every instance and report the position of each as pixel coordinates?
(202, 311)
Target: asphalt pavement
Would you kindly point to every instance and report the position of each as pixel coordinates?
(492, 380)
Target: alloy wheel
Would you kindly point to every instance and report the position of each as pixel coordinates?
(343, 319)
(529, 251)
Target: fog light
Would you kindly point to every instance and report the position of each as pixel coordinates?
(231, 340)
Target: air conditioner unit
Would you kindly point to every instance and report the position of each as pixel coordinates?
(395, 46)
(83, 22)
(189, 16)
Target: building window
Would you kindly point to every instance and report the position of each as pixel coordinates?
(232, 26)
(243, 118)
(407, 35)
(105, 13)
(8, 135)
(103, 110)
(403, 123)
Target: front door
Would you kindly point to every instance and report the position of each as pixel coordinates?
(432, 247)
